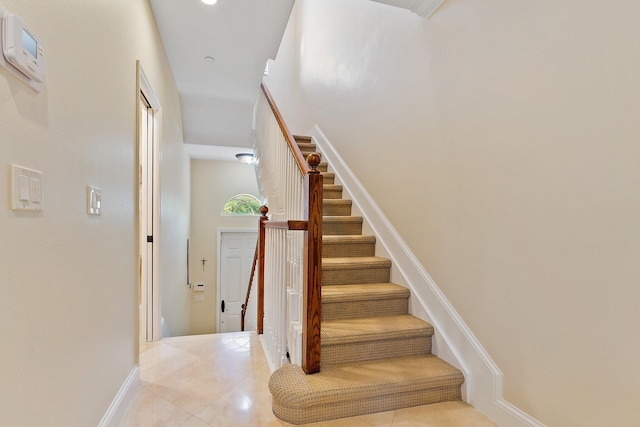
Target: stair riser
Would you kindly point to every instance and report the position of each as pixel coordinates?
(330, 193)
(361, 406)
(322, 167)
(369, 350)
(334, 250)
(336, 210)
(341, 228)
(366, 308)
(356, 275)
(329, 179)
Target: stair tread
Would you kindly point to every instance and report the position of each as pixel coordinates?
(359, 292)
(348, 238)
(358, 262)
(336, 218)
(337, 332)
(337, 201)
(345, 381)
(300, 138)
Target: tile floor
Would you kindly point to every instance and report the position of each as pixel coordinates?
(221, 380)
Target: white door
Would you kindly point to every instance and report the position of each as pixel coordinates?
(236, 257)
(148, 113)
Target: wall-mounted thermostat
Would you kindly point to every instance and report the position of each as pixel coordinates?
(22, 52)
(22, 49)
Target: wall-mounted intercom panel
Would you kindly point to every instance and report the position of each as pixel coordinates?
(22, 52)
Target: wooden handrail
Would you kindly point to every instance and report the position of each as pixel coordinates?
(243, 312)
(303, 166)
(292, 224)
(262, 238)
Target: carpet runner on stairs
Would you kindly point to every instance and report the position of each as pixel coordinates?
(375, 356)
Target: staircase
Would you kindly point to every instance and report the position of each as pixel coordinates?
(375, 356)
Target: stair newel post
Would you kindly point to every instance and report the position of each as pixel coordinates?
(312, 268)
(261, 247)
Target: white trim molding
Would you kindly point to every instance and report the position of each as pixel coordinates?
(424, 8)
(120, 403)
(454, 341)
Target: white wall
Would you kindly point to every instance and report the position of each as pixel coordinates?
(68, 282)
(174, 231)
(213, 183)
(509, 132)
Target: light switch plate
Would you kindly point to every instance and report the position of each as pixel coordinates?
(94, 200)
(26, 189)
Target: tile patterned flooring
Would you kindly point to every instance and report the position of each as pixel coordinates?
(221, 380)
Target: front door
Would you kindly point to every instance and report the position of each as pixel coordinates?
(236, 257)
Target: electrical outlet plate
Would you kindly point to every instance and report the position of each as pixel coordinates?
(26, 189)
(94, 200)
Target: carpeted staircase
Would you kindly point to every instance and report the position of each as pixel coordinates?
(374, 355)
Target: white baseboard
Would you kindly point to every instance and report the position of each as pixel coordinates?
(121, 401)
(454, 341)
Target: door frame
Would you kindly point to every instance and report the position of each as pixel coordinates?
(220, 231)
(149, 326)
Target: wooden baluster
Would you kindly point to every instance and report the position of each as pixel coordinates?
(261, 244)
(312, 268)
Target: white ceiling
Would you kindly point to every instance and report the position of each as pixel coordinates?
(218, 95)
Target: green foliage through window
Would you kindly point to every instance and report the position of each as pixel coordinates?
(242, 204)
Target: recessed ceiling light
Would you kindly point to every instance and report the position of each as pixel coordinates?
(209, 2)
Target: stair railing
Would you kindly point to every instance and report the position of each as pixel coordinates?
(243, 312)
(290, 243)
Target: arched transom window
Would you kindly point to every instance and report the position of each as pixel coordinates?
(242, 204)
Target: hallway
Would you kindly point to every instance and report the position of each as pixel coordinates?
(221, 380)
